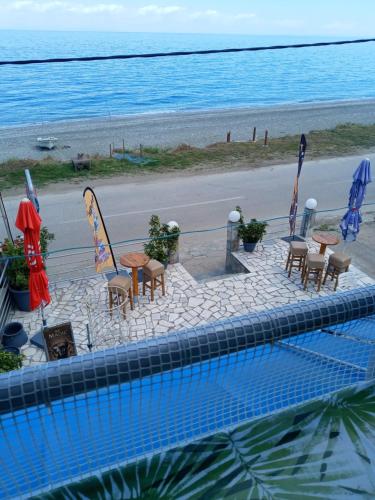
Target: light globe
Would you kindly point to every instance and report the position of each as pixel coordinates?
(311, 204)
(234, 216)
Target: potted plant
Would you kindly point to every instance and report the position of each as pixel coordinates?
(251, 233)
(9, 361)
(163, 243)
(18, 270)
(155, 247)
(171, 234)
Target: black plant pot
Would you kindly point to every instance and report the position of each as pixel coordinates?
(14, 335)
(21, 299)
(249, 247)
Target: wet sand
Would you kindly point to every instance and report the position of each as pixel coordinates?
(198, 128)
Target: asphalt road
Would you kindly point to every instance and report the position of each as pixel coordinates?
(197, 128)
(196, 202)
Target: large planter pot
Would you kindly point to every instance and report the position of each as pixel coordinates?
(249, 247)
(14, 335)
(21, 299)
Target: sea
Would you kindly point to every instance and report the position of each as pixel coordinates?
(35, 94)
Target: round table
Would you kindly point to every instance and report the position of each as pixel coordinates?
(135, 260)
(325, 238)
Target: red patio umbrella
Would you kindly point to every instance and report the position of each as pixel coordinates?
(29, 222)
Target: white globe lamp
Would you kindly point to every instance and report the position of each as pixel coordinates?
(311, 204)
(234, 216)
(172, 224)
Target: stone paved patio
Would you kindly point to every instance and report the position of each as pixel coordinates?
(187, 303)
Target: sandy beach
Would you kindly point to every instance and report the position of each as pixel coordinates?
(197, 128)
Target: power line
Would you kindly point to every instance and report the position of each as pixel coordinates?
(181, 53)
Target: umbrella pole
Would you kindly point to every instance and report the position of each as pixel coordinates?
(38, 340)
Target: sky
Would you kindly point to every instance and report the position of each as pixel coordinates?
(339, 18)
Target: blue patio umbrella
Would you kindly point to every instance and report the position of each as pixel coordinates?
(351, 221)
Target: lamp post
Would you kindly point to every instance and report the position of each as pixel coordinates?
(174, 257)
(308, 216)
(233, 240)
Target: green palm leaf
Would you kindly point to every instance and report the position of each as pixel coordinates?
(321, 450)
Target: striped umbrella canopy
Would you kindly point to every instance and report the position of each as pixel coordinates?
(294, 205)
(350, 223)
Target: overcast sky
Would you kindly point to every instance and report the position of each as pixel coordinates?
(294, 17)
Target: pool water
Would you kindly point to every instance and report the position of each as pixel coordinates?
(136, 422)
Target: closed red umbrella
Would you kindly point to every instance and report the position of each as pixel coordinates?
(29, 222)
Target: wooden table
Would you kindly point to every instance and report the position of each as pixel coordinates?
(325, 238)
(135, 260)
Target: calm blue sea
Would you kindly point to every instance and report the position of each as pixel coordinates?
(35, 94)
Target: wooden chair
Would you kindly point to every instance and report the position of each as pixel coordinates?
(313, 269)
(119, 288)
(296, 256)
(153, 277)
(338, 263)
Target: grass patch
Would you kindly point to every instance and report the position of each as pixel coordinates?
(342, 140)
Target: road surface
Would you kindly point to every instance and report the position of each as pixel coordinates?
(195, 202)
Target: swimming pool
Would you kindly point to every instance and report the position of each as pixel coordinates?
(95, 430)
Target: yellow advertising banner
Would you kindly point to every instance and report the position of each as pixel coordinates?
(103, 252)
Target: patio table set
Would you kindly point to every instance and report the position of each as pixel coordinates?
(312, 265)
(123, 287)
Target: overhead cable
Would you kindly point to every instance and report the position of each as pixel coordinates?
(22, 62)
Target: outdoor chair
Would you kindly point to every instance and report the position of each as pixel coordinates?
(313, 269)
(153, 277)
(119, 288)
(338, 263)
(296, 256)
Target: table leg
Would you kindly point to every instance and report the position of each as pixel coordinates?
(135, 281)
(323, 247)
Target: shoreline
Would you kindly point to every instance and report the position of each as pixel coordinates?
(255, 108)
(169, 129)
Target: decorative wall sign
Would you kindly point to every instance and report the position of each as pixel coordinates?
(59, 341)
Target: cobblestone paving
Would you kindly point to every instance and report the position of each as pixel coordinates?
(187, 303)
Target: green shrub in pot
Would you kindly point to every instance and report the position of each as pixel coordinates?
(251, 233)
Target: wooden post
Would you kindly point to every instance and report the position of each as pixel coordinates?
(110, 150)
(254, 134)
(228, 136)
(266, 138)
(123, 146)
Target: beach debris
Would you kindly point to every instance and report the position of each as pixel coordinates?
(46, 142)
(113, 150)
(136, 160)
(228, 136)
(183, 147)
(82, 161)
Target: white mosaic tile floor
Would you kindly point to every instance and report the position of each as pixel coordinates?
(187, 303)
